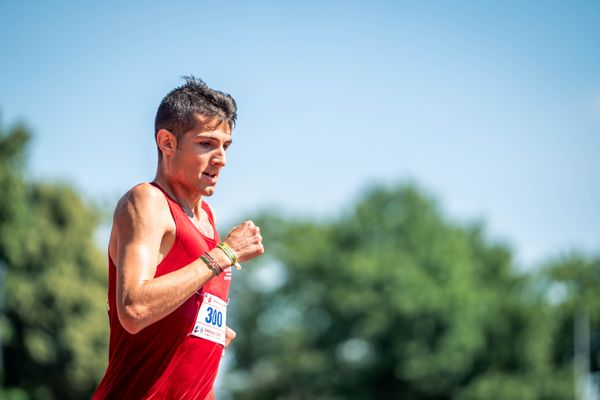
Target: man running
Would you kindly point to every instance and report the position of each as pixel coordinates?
(169, 272)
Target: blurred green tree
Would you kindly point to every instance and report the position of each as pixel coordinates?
(391, 301)
(572, 283)
(54, 284)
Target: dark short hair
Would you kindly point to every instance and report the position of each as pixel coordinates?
(178, 109)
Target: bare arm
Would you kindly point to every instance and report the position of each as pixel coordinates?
(142, 228)
(142, 224)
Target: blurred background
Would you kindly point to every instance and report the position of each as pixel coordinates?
(426, 176)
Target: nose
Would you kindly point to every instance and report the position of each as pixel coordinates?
(220, 158)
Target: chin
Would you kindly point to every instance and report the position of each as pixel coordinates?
(208, 192)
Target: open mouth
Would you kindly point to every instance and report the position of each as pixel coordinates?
(209, 174)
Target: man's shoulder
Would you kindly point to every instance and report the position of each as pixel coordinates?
(141, 214)
(145, 192)
(141, 199)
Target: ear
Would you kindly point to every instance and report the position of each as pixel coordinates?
(166, 142)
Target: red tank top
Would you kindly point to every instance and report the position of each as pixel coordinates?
(163, 361)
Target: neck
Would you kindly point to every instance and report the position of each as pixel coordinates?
(189, 200)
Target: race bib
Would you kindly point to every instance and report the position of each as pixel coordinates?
(210, 322)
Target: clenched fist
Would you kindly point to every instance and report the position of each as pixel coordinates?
(246, 241)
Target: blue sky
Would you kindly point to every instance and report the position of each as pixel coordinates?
(491, 107)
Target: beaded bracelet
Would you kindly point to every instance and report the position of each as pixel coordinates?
(214, 262)
(211, 263)
(231, 254)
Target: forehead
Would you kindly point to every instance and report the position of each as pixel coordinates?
(208, 125)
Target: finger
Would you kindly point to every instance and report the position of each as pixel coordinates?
(230, 333)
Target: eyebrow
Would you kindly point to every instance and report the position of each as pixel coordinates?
(211, 137)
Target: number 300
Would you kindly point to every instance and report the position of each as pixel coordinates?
(214, 317)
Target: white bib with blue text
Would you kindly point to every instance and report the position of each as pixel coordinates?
(210, 322)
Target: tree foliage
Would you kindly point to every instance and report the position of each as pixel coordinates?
(391, 300)
(53, 337)
(572, 284)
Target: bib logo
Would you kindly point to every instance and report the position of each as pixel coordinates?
(198, 329)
